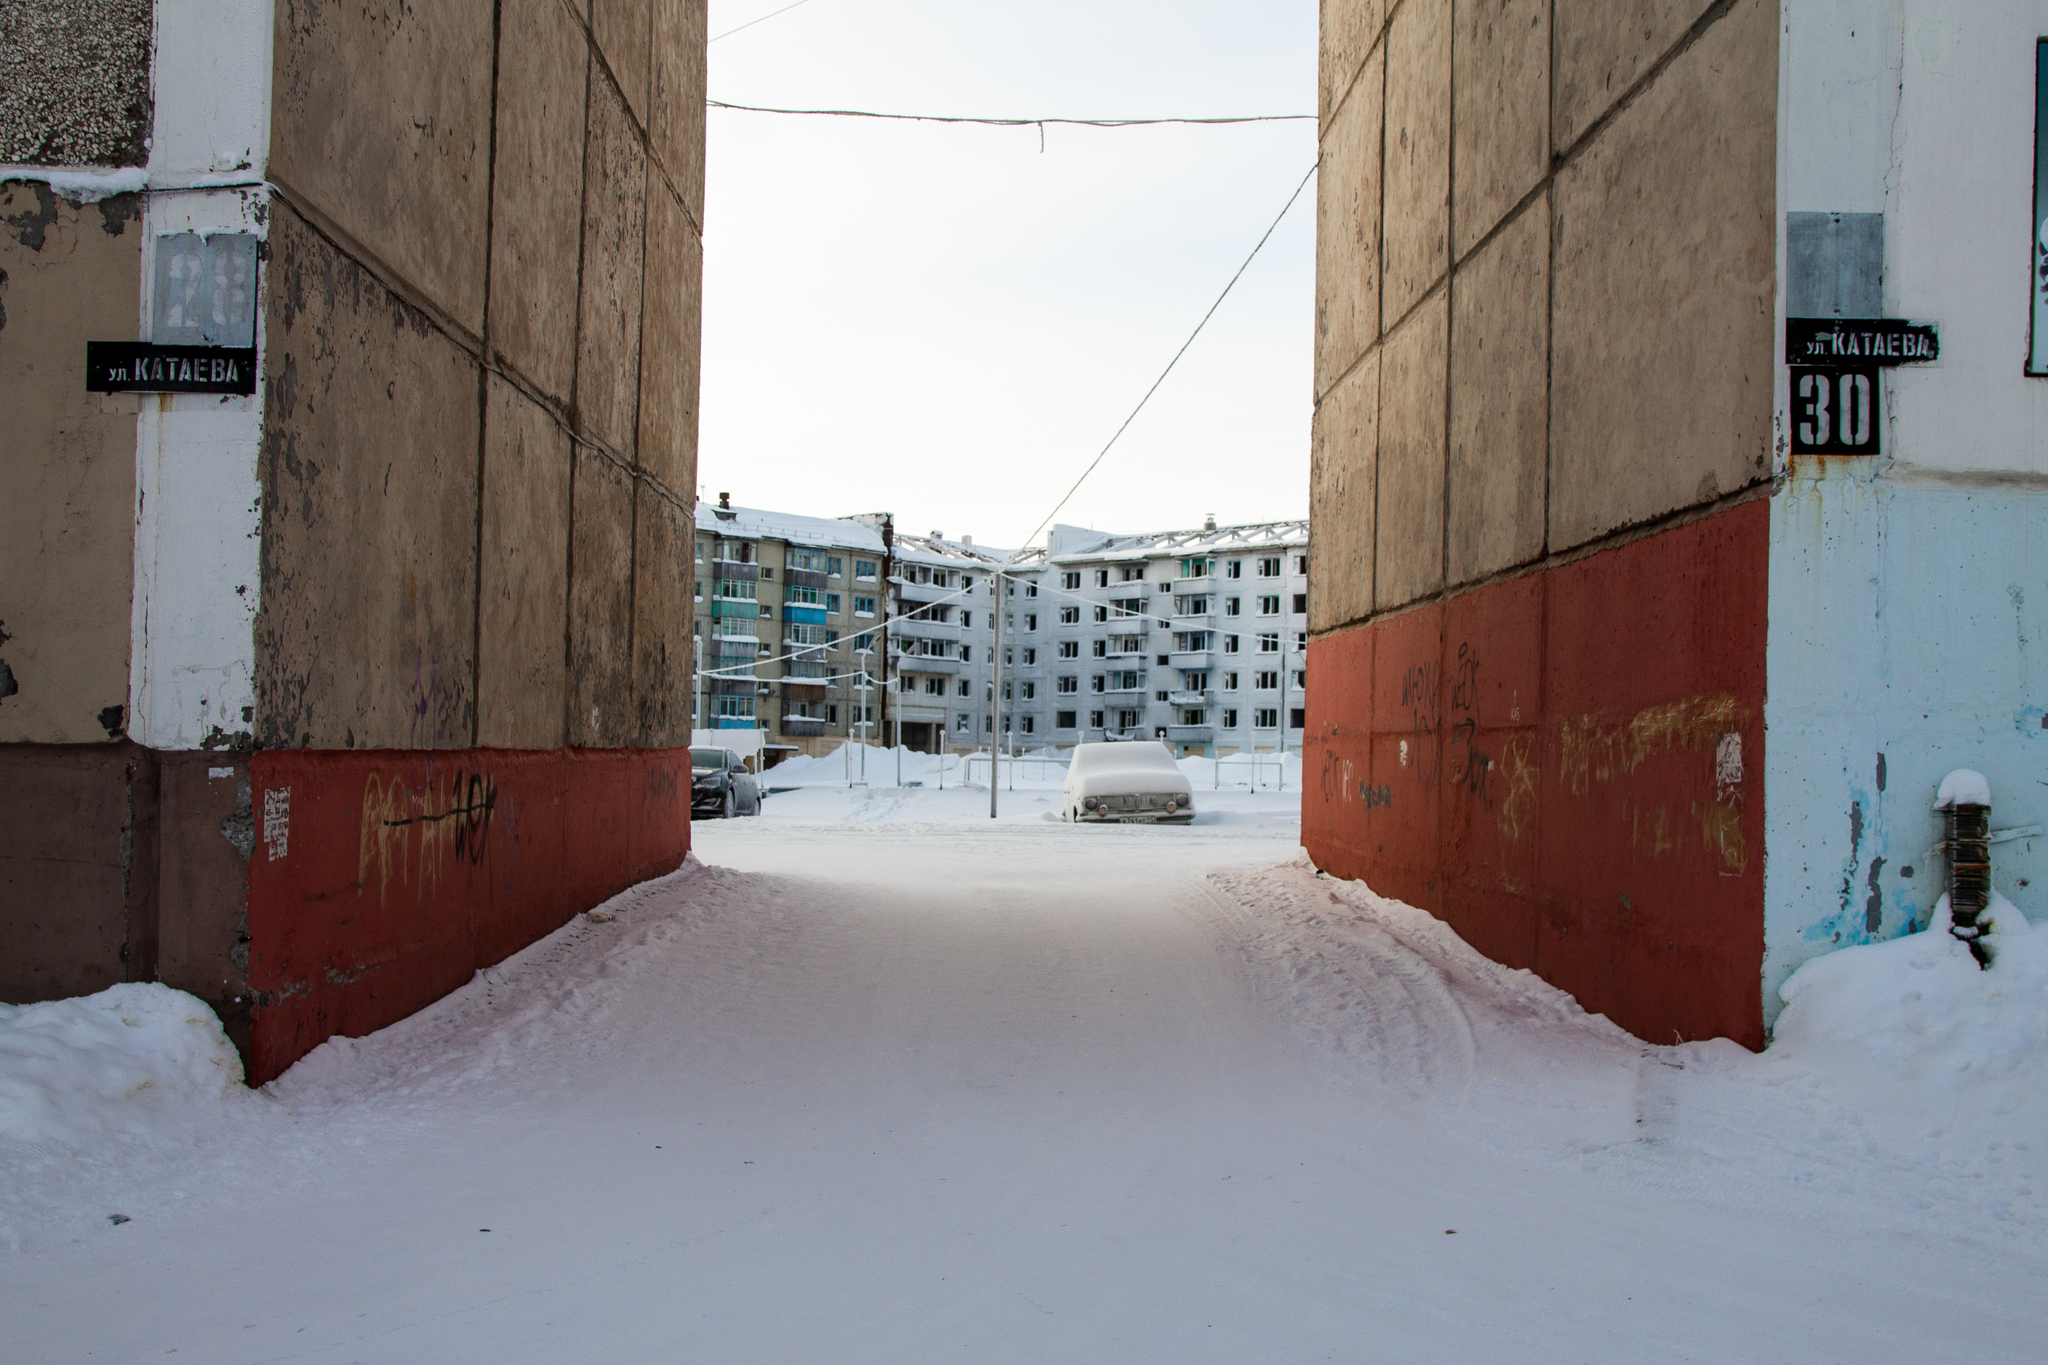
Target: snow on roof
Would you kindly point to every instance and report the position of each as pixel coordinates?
(1077, 542)
(754, 523)
(937, 550)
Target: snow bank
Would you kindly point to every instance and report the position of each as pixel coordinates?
(1917, 1012)
(125, 1062)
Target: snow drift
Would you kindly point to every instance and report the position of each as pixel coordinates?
(133, 1060)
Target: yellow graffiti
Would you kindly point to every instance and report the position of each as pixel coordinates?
(1596, 752)
(406, 828)
(1520, 800)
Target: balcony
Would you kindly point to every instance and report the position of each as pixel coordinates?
(1191, 698)
(1191, 734)
(923, 592)
(802, 727)
(917, 628)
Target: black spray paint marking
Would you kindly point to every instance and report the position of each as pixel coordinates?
(1873, 908)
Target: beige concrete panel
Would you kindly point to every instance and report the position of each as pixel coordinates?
(1661, 367)
(663, 650)
(670, 333)
(537, 193)
(68, 275)
(621, 28)
(74, 82)
(382, 122)
(1348, 231)
(67, 854)
(1343, 462)
(614, 231)
(1416, 229)
(1349, 30)
(675, 124)
(1500, 60)
(1408, 547)
(366, 634)
(1603, 47)
(601, 606)
(1500, 401)
(524, 603)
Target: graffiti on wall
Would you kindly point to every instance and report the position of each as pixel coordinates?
(408, 830)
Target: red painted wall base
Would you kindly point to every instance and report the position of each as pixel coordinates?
(1568, 768)
(382, 880)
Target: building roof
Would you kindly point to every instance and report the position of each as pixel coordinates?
(956, 553)
(754, 523)
(1074, 543)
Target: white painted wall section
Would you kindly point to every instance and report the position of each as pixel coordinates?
(212, 91)
(1909, 592)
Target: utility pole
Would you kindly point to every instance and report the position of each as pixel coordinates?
(995, 692)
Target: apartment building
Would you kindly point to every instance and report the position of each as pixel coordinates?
(1197, 638)
(347, 421)
(788, 619)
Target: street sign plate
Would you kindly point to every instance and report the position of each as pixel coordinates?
(1835, 410)
(1860, 341)
(145, 367)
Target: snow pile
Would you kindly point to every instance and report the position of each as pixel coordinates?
(1918, 1032)
(134, 1060)
(1963, 788)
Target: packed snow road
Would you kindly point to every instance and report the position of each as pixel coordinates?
(976, 1091)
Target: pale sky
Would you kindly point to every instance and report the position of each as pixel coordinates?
(942, 322)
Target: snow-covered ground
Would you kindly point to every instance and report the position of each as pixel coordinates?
(941, 1088)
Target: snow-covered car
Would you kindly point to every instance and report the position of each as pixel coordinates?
(1127, 782)
(721, 785)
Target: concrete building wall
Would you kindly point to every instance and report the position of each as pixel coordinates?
(1908, 589)
(74, 82)
(1545, 272)
(446, 539)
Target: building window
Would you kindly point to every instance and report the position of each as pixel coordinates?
(967, 654)
(697, 589)
(1070, 649)
(1301, 642)
(832, 602)
(863, 606)
(1162, 660)
(1301, 565)
(1096, 682)
(1102, 613)
(1030, 691)
(1231, 605)
(1031, 590)
(1101, 649)
(987, 724)
(1297, 718)
(1229, 719)
(1195, 680)
(1269, 642)
(1095, 720)
(1266, 680)
(700, 552)
(1269, 605)
(1270, 568)
(1161, 696)
(967, 620)
(735, 708)
(812, 561)
(1230, 644)
(1197, 568)
(1069, 683)
(1070, 616)
(960, 723)
(1102, 578)
(935, 687)
(966, 689)
(1234, 569)
(767, 613)
(1030, 725)
(1134, 573)
(866, 570)
(735, 589)
(864, 644)
(833, 567)
(1031, 620)
(1301, 604)
(1070, 581)
(1266, 718)
(767, 572)
(1063, 720)
(1301, 680)
(1030, 657)
(1193, 715)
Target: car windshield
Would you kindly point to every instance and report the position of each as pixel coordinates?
(707, 758)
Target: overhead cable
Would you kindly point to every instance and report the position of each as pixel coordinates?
(762, 20)
(1011, 122)
(1271, 228)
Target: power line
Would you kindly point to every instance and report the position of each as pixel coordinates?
(762, 20)
(1011, 122)
(1175, 361)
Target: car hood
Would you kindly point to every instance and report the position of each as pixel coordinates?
(1128, 781)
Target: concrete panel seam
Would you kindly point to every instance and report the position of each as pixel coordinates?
(633, 120)
(1685, 516)
(1710, 16)
(456, 333)
(483, 387)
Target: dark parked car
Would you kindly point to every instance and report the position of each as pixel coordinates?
(721, 785)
